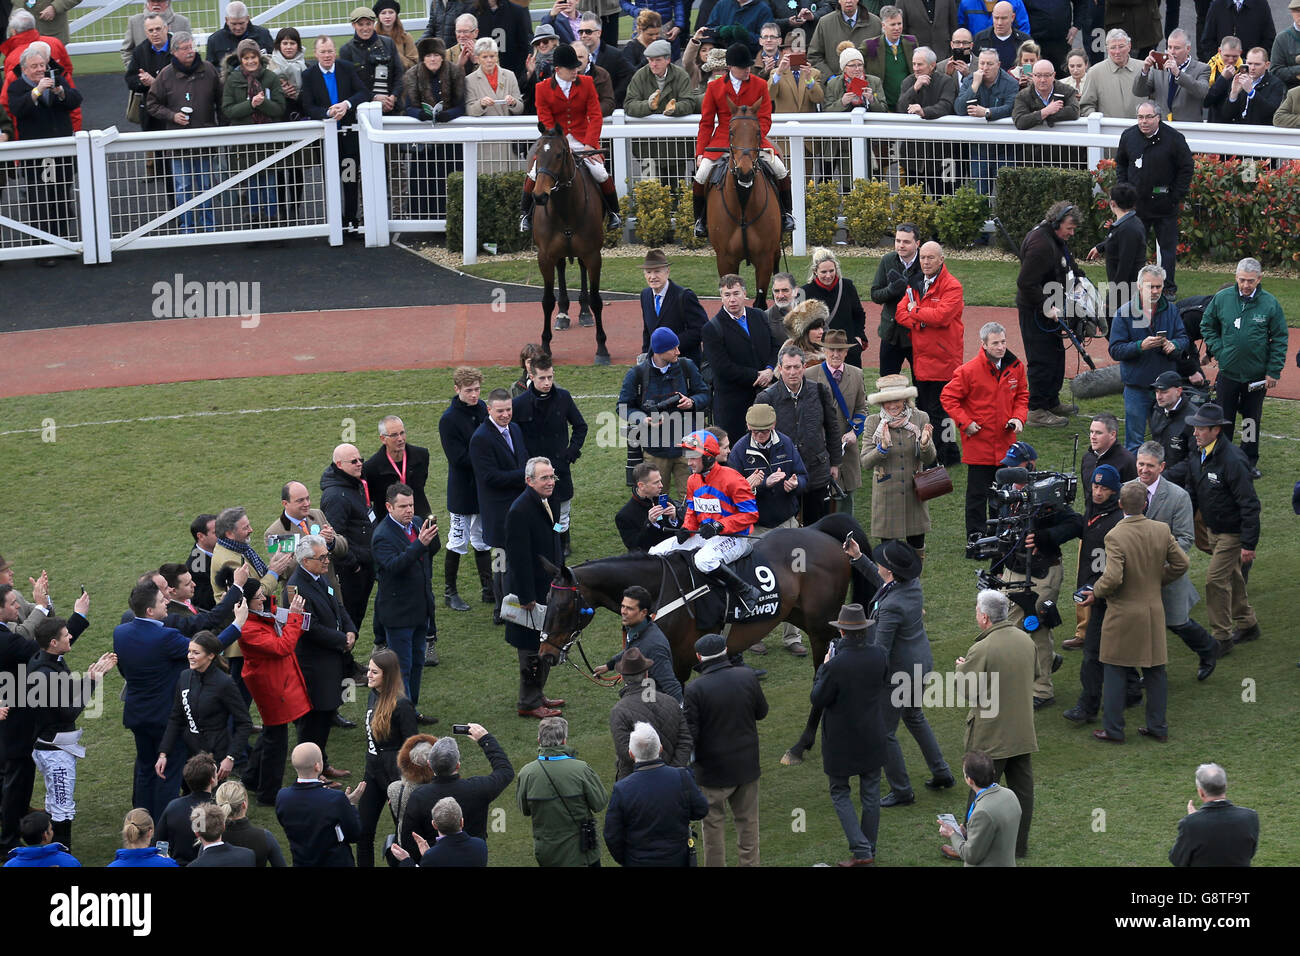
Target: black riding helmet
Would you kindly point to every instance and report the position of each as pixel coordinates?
(566, 57)
(738, 55)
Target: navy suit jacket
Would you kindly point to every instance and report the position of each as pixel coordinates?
(1218, 834)
(737, 359)
(680, 311)
(316, 96)
(498, 476)
(312, 818)
(150, 657)
(323, 651)
(224, 854)
(456, 849)
(404, 572)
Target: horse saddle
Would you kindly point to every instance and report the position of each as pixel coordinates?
(719, 606)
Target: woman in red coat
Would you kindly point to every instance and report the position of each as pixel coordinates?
(740, 88)
(569, 100)
(272, 675)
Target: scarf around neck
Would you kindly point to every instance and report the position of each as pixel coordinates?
(245, 549)
(903, 421)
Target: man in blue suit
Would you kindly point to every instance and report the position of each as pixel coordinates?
(403, 547)
(665, 304)
(498, 455)
(151, 656)
(454, 847)
(321, 824)
(325, 649)
(333, 89)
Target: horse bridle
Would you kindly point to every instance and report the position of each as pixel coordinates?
(744, 150)
(573, 167)
(586, 613)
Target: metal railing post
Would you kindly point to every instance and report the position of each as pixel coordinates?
(799, 196)
(469, 225)
(858, 145)
(92, 216)
(331, 182)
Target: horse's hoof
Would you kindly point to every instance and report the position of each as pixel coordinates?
(562, 322)
(602, 358)
(790, 759)
(585, 320)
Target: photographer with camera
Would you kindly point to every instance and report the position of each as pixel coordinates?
(1045, 262)
(664, 400)
(1103, 499)
(1034, 556)
(561, 794)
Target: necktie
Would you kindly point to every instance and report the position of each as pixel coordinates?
(547, 505)
(410, 533)
(505, 433)
(1173, 91)
(302, 526)
(838, 373)
(658, 302)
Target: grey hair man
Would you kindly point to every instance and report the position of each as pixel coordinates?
(474, 794)
(561, 794)
(1001, 667)
(1219, 833)
(135, 31)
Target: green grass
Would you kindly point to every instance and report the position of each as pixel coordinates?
(105, 501)
(985, 282)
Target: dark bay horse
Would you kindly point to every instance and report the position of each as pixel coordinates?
(568, 225)
(812, 575)
(744, 211)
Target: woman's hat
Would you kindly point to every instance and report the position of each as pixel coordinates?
(852, 618)
(716, 60)
(247, 45)
(383, 5)
(900, 558)
(848, 56)
(431, 45)
(892, 388)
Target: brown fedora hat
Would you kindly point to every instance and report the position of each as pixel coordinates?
(655, 259)
(836, 339)
(852, 618)
(633, 662)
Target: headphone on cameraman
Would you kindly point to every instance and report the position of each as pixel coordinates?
(1067, 213)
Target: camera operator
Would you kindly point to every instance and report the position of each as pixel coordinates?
(1105, 513)
(1040, 297)
(1039, 563)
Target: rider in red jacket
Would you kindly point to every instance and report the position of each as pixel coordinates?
(569, 100)
(738, 87)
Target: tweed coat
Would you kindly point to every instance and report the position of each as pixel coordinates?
(1141, 557)
(1007, 731)
(855, 397)
(896, 512)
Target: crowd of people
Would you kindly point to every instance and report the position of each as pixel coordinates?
(794, 434)
(1034, 64)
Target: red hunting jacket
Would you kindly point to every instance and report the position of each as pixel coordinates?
(715, 112)
(578, 113)
(990, 397)
(937, 331)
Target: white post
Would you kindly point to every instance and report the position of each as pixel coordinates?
(92, 203)
(1094, 152)
(798, 196)
(469, 225)
(858, 145)
(331, 183)
(623, 150)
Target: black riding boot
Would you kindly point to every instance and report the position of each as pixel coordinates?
(63, 832)
(564, 543)
(483, 562)
(787, 205)
(611, 209)
(526, 210)
(746, 592)
(700, 206)
(498, 592)
(452, 598)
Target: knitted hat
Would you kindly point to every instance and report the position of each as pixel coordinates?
(662, 339)
(1107, 476)
(848, 56)
(247, 45)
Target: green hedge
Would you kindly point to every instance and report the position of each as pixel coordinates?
(1024, 193)
(498, 211)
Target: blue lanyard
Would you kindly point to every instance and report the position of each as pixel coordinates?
(978, 794)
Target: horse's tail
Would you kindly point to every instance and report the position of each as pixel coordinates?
(839, 526)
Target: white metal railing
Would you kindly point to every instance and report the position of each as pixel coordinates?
(103, 192)
(1090, 138)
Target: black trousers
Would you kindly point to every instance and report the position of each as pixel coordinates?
(1236, 397)
(1019, 774)
(1044, 359)
(1165, 231)
(350, 173)
(978, 480)
(266, 761)
(814, 505)
(381, 770)
(1198, 640)
(356, 585)
(892, 356)
(927, 400)
(314, 727)
(15, 795)
(1204, 50)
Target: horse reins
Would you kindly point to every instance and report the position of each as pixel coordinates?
(575, 639)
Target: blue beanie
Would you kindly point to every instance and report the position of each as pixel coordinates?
(663, 339)
(1106, 475)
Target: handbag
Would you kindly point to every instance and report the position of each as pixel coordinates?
(134, 101)
(932, 482)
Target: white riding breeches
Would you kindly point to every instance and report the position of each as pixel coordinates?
(59, 768)
(773, 160)
(466, 530)
(709, 552)
(594, 166)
